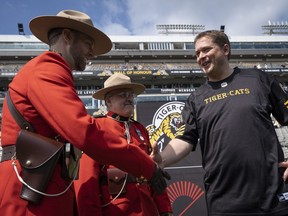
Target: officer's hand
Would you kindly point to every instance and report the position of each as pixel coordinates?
(155, 155)
(158, 182)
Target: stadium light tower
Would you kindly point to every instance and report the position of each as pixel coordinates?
(276, 28)
(21, 29)
(222, 28)
(180, 28)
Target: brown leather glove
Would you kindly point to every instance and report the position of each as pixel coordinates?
(158, 182)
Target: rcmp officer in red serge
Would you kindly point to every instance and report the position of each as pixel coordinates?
(43, 92)
(121, 193)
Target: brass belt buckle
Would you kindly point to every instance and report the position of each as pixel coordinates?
(141, 180)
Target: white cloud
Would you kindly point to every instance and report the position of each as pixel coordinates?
(140, 17)
(243, 17)
(113, 18)
(116, 29)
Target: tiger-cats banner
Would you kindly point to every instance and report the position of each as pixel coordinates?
(185, 189)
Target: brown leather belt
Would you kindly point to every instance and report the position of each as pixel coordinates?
(133, 179)
(7, 152)
(130, 179)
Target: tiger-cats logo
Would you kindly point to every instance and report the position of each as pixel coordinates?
(165, 123)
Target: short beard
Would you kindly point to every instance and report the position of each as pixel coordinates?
(79, 60)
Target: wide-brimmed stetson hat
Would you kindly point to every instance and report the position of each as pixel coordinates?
(118, 81)
(71, 19)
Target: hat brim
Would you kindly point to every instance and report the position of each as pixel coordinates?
(101, 93)
(40, 26)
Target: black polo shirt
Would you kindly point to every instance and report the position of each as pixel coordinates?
(240, 149)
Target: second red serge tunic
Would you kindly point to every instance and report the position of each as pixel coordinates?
(137, 197)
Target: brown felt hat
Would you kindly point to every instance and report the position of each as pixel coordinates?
(118, 81)
(71, 19)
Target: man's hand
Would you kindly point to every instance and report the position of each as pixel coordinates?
(155, 154)
(158, 182)
(285, 165)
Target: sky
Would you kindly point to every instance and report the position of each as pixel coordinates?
(140, 17)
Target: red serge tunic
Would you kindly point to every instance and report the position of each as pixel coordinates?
(43, 92)
(138, 198)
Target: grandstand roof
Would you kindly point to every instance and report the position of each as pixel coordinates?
(156, 38)
(154, 46)
(159, 59)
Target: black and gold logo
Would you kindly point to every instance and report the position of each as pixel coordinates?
(165, 123)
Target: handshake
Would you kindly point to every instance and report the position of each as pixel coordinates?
(158, 182)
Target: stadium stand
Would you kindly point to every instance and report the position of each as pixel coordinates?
(165, 64)
(159, 62)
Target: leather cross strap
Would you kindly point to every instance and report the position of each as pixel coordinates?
(23, 124)
(9, 151)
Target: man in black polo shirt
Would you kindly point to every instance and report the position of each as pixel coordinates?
(229, 116)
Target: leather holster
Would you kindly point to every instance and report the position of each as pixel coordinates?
(38, 156)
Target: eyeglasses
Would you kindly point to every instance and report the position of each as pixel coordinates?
(124, 95)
